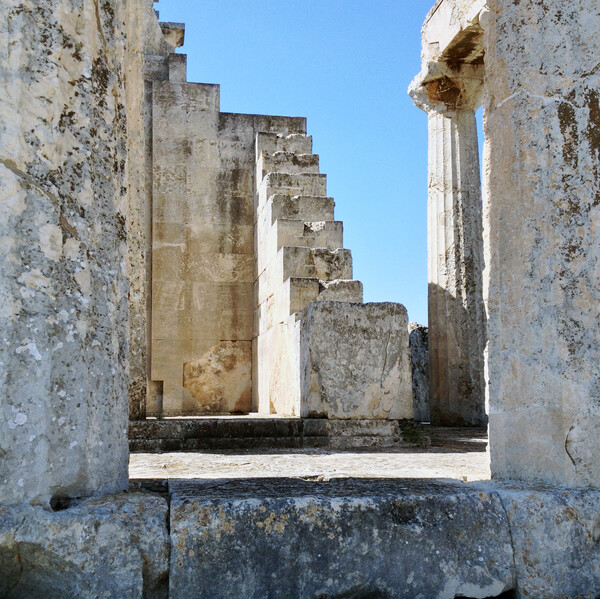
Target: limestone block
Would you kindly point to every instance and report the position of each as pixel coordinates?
(286, 162)
(355, 361)
(419, 357)
(306, 208)
(341, 290)
(298, 143)
(556, 540)
(293, 295)
(298, 262)
(542, 275)
(320, 234)
(115, 546)
(342, 538)
(297, 233)
(63, 250)
(278, 369)
(291, 185)
(220, 380)
(178, 67)
(173, 33)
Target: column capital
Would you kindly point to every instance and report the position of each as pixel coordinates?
(442, 88)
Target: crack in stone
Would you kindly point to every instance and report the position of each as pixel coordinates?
(19, 555)
(512, 540)
(545, 99)
(11, 166)
(567, 449)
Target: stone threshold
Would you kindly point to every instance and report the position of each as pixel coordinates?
(285, 537)
(255, 432)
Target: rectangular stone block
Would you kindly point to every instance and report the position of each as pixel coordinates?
(355, 361)
(114, 546)
(291, 185)
(342, 538)
(274, 142)
(306, 208)
(286, 162)
(308, 263)
(177, 68)
(556, 539)
(278, 369)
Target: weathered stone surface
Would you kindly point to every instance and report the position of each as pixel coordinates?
(254, 432)
(63, 246)
(343, 538)
(203, 249)
(419, 356)
(542, 210)
(116, 546)
(556, 540)
(355, 361)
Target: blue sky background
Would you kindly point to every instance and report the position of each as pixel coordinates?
(346, 66)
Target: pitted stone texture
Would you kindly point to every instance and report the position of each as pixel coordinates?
(556, 540)
(419, 357)
(542, 124)
(63, 240)
(343, 538)
(116, 546)
(355, 361)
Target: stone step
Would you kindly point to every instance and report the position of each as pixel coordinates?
(296, 293)
(254, 432)
(306, 184)
(300, 207)
(299, 262)
(274, 142)
(286, 162)
(297, 233)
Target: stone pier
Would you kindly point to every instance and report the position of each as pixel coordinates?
(63, 246)
(542, 240)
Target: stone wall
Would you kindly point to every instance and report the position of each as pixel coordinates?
(203, 256)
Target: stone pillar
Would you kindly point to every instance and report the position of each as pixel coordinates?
(63, 247)
(542, 239)
(457, 320)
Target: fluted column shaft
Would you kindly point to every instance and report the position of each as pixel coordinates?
(454, 237)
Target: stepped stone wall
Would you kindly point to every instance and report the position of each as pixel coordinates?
(203, 254)
(242, 239)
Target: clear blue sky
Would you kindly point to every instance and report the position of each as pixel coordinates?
(346, 66)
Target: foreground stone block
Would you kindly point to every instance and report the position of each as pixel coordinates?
(556, 541)
(345, 538)
(115, 546)
(355, 361)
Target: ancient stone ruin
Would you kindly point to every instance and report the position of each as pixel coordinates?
(163, 261)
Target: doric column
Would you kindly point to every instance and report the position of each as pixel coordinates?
(457, 330)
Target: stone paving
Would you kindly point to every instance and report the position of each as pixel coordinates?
(314, 464)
